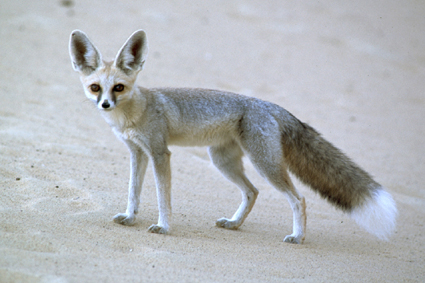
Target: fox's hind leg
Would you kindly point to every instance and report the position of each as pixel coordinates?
(268, 159)
(279, 178)
(228, 159)
(299, 207)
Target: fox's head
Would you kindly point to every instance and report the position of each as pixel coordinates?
(108, 83)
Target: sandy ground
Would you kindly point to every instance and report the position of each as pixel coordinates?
(355, 71)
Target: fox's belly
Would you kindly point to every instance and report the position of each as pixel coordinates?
(202, 137)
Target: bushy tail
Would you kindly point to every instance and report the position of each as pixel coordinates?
(323, 167)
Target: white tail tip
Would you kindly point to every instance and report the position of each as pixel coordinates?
(377, 215)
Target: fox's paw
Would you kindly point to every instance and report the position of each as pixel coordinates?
(227, 224)
(155, 228)
(294, 239)
(124, 219)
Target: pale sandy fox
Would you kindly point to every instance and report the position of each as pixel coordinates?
(231, 125)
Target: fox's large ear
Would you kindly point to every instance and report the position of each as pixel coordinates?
(85, 57)
(132, 55)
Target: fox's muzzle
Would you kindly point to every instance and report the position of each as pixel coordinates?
(105, 102)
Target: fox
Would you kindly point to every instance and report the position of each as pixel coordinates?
(148, 120)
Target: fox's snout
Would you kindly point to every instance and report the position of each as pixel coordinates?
(105, 104)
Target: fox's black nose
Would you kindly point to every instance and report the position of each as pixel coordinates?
(106, 104)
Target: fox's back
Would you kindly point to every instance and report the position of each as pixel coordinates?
(207, 117)
(198, 117)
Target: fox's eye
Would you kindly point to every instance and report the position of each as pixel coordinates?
(95, 88)
(118, 87)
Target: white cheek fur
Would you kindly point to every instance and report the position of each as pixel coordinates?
(91, 96)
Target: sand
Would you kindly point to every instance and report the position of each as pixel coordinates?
(353, 70)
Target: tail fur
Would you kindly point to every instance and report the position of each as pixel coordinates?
(323, 167)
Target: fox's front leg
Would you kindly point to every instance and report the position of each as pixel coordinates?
(162, 171)
(138, 164)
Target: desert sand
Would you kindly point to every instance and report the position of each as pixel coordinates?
(354, 70)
